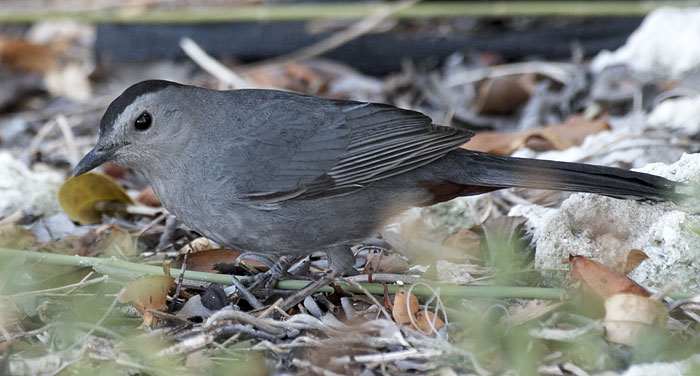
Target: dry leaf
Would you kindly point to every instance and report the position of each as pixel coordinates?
(378, 262)
(204, 261)
(503, 95)
(554, 137)
(78, 196)
(145, 293)
(602, 280)
(466, 242)
(24, 55)
(197, 245)
(626, 263)
(148, 197)
(117, 242)
(13, 236)
(70, 81)
(529, 310)
(405, 307)
(428, 321)
(291, 76)
(628, 317)
(112, 240)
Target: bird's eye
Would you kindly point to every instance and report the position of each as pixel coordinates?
(143, 122)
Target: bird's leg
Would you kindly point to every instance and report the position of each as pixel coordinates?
(309, 289)
(340, 260)
(276, 272)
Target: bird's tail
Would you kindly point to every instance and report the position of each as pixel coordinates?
(492, 172)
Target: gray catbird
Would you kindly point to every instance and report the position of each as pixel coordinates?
(288, 174)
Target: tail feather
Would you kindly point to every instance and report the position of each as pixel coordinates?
(495, 171)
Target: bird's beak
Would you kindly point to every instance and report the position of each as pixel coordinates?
(97, 156)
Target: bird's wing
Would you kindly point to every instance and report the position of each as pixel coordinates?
(331, 148)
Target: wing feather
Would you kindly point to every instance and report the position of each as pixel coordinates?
(367, 143)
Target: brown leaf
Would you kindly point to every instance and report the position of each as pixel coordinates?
(427, 320)
(204, 261)
(405, 307)
(24, 55)
(148, 197)
(602, 280)
(554, 137)
(291, 76)
(502, 95)
(378, 262)
(626, 263)
(110, 239)
(466, 242)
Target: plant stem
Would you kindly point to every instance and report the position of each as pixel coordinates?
(129, 270)
(309, 11)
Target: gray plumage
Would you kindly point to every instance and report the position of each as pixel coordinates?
(288, 174)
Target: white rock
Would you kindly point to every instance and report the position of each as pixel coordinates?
(56, 227)
(680, 368)
(602, 228)
(664, 44)
(33, 192)
(677, 113)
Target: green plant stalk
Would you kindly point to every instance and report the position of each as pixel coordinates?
(129, 270)
(309, 11)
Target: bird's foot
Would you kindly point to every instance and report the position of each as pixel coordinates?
(277, 272)
(309, 289)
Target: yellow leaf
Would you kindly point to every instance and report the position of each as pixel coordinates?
(79, 195)
(118, 243)
(148, 292)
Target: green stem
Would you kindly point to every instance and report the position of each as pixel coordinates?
(308, 11)
(124, 269)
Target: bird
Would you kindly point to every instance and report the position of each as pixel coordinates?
(286, 174)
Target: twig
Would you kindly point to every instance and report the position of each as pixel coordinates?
(385, 277)
(188, 345)
(213, 66)
(305, 364)
(73, 153)
(66, 287)
(242, 317)
(131, 209)
(182, 273)
(271, 308)
(338, 39)
(40, 135)
(371, 297)
(563, 335)
(152, 223)
(5, 333)
(388, 356)
(245, 294)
